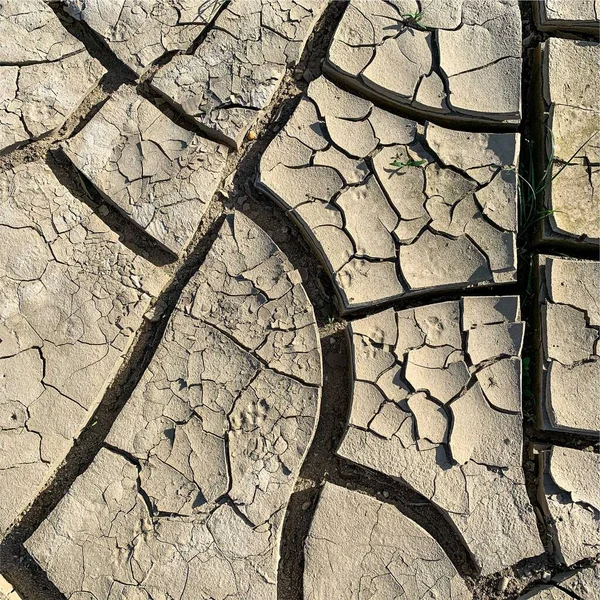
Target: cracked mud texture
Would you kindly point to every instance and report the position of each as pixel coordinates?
(583, 584)
(569, 491)
(45, 73)
(235, 72)
(380, 229)
(71, 299)
(568, 359)
(458, 62)
(571, 79)
(574, 17)
(187, 499)
(423, 378)
(140, 32)
(358, 547)
(158, 174)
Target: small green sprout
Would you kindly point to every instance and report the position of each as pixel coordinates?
(413, 19)
(399, 164)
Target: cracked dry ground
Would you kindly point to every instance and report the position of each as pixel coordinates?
(299, 300)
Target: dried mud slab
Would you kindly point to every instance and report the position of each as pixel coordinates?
(454, 61)
(139, 32)
(158, 174)
(237, 69)
(45, 73)
(358, 547)
(436, 403)
(7, 592)
(571, 79)
(569, 493)
(581, 16)
(187, 499)
(71, 299)
(569, 360)
(394, 208)
(583, 585)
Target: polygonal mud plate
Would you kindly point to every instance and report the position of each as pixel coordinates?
(187, 498)
(45, 72)
(358, 547)
(567, 15)
(394, 208)
(436, 403)
(232, 76)
(457, 61)
(139, 32)
(570, 80)
(72, 298)
(569, 494)
(158, 174)
(568, 360)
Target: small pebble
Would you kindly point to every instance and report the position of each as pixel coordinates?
(251, 135)
(503, 584)
(386, 494)
(546, 575)
(306, 506)
(246, 206)
(103, 210)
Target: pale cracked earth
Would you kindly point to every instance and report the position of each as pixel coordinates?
(299, 300)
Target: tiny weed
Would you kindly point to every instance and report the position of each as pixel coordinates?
(406, 21)
(413, 19)
(408, 163)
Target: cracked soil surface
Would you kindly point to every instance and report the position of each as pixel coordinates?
(299, 300)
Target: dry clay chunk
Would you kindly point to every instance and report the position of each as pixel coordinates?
(570, 498)
(45, 73)
(436, 403)
(358, 547)
(393, 207)
(237, 69)
(158, 174)
(571, 79)
(570, 328)
(141, 31)
(457, 61)
(71, 299)
(188, 499)
(580, 16)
